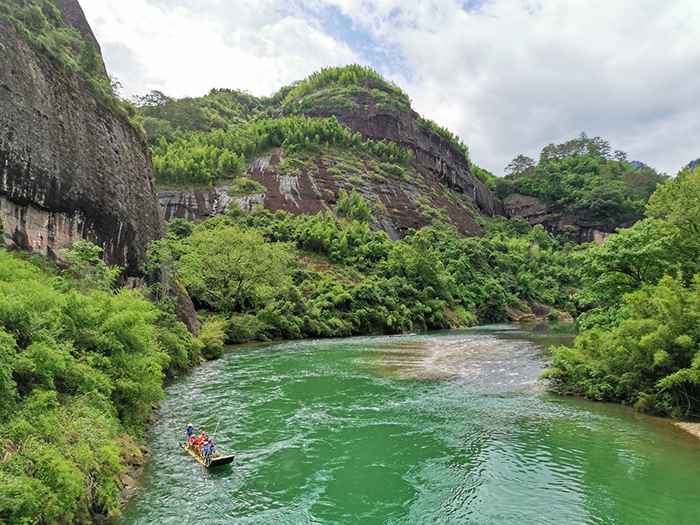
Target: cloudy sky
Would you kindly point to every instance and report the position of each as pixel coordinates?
(507, 76)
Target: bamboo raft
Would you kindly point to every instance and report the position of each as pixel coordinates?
(217, 460)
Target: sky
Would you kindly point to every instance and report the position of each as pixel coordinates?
(507, 76)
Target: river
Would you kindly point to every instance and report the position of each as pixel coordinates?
(434, 428)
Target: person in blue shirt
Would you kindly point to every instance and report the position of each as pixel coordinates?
(190, 431)
(206, 452)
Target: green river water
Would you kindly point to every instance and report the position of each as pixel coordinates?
(442, 427)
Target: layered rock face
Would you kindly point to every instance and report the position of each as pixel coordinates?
(435, 156)
(397, 205)
(553, 220)
(69, 168)
(443, 185)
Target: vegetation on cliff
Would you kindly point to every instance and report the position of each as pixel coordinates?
(40, 23)
(640, 342)
(185, 154)
(583, 178)
(81, 366)
(204, 158)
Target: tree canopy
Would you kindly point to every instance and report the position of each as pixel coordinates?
(583, 177)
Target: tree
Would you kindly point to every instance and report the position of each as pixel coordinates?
(520, 165)
(677, 203)
(620, 155)
(624, 262)
(232, 270)
(86, 269)
(154, 98)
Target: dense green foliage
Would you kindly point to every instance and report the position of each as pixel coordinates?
(203, 158)
(169, 118)
(337, 88)
(485, 176)
(350, 75)
(201, 141)
(81, 367)
(279, 276)
(585, 179)
(641, 343)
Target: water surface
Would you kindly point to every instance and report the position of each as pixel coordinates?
(442, 427)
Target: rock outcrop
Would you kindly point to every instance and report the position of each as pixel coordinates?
(440, 184)
(71, 168)
(554, 221)
(397, 205)
(435, 156)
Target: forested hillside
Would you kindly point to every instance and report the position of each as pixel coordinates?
(640, 341)
(266, 276)
(583, 178)
(81, 367)
(335, 130)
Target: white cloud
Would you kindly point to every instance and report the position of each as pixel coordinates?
(508, 76)
(183, 51)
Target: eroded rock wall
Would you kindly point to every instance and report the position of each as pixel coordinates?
(554, 221)
(434, 155)
(397, 205)
(443, 178)
(69, 168)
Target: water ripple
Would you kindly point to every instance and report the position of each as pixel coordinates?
(432, 428)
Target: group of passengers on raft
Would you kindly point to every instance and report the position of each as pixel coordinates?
(202, 444)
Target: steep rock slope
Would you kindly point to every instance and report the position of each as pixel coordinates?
(398, 203)
(435, 156)
(437, 185)
(71, 167)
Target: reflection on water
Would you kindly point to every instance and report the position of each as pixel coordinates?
(443, 427)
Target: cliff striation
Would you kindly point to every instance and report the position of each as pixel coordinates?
(70, 167)
(554, 221)
(435, 156)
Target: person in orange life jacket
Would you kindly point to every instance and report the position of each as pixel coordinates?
(202, 441)
(193, 441)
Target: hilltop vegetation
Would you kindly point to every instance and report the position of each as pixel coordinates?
(187, 134)
(583, 178)
(40, 23)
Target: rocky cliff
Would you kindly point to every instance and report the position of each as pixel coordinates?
(435, 156)
(413, 201)
(554, 221)
(439, 184)
(70, 167)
